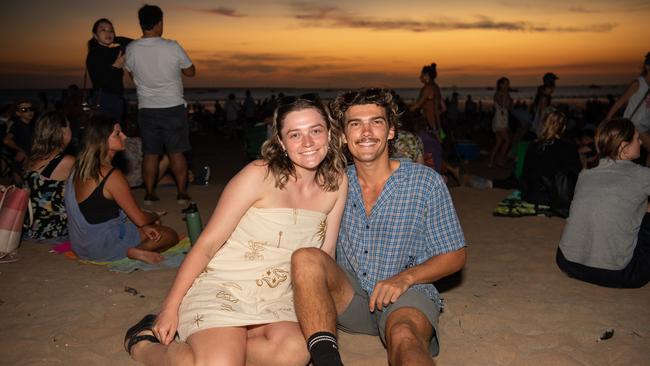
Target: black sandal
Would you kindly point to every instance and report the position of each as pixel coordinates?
(132, 337)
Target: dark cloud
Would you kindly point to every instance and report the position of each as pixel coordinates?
(225, 12)
(582, 10)
(593, 8)
(222, 10)
(330, 16)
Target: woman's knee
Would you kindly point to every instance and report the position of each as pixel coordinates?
(292, 350)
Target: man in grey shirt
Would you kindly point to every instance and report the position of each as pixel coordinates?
(156, 65)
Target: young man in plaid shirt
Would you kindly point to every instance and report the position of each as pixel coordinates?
(399, 233)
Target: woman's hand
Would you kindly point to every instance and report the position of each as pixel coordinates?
(151, 232)
(156, 215)
(119, 61)
(165, 326)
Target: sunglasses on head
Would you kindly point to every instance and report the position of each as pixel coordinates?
(292, 99)
(26, 109)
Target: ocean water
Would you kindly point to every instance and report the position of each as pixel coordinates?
(575, 95)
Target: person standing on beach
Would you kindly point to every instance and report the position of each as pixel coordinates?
(399, 233)
(502, 107)
(637, 97)
(104, 63)
(430, 99)
(156, 65)
(543, 101)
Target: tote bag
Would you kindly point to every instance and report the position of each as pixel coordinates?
(13, 204)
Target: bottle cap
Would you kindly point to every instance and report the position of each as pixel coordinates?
(190, 208)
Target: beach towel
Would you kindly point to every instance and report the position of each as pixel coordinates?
(173, 258)
(514, 206)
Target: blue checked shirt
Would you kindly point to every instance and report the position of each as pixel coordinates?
(413, 220)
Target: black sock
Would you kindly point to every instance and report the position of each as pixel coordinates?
(324, 350)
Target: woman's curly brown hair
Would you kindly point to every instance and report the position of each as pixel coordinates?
(329, 171)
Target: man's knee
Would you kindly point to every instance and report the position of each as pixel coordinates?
(409, 327)
(404, 333)
(307, 259)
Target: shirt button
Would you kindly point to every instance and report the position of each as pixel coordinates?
(364, 274)
(367, 226)
(365, 252)
(354, 205)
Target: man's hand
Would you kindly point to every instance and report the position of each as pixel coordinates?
(388, 291)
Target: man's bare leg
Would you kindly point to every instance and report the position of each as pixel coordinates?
(321, 290)
(150, 172)
(178, 165)
(408, 332)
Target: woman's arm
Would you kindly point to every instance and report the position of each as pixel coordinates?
(62, 171)
(631, 89)
(422, 97)
(240, 194)
(334, 219)
(118, 189)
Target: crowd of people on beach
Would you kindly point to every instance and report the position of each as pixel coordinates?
(342, 218)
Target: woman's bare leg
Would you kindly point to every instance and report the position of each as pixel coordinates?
(496, 149)
(505, 145)
(215, 346)
(278, 344)
(149, 250)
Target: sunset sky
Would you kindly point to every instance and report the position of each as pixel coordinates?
(335, 44)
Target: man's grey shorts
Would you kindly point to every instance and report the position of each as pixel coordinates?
(164, 130)
(357, 318)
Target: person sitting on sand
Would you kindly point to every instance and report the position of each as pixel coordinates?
(47, 171)
(98, 201)
(232, 299)
(606, 240)
(18, 138)
(551, 167)
(399, 234)
(406, 144)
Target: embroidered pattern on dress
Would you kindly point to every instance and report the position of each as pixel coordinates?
(231, 284)
(256, 249)
(197, 320)
(273, 277)
(320, 233)
(226, 307)
(223, 295)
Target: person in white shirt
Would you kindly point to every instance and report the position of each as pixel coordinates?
(156, 66)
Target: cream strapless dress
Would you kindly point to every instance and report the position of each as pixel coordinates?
(248, 281)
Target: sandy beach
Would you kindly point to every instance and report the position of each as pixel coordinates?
(511, 305)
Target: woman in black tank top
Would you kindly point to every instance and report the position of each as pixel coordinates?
(46, 172)
(99, 229)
